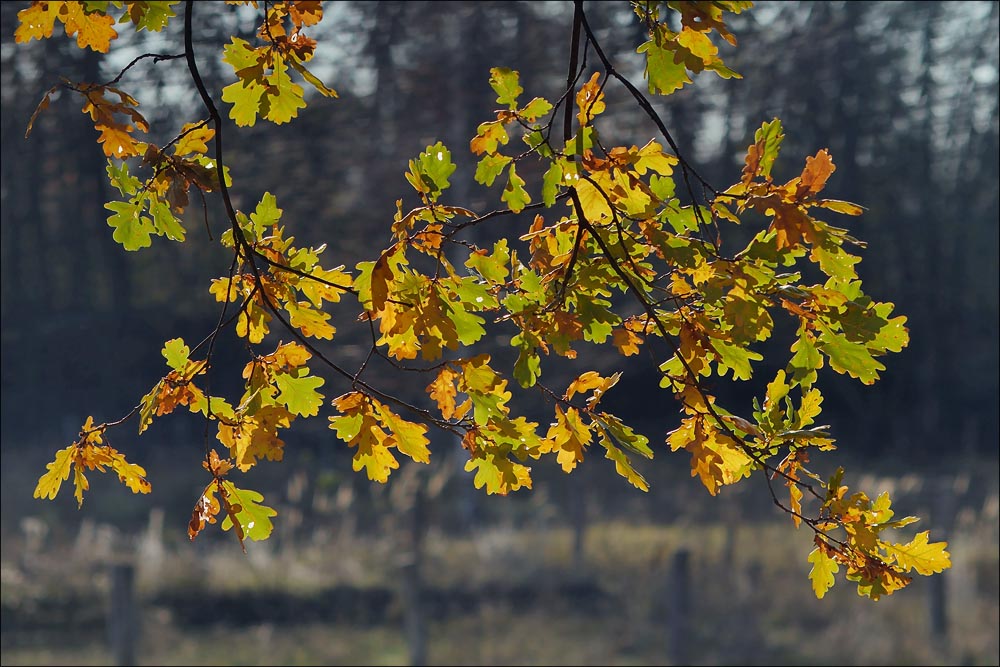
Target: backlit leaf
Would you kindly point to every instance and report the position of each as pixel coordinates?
(514, 194)
(132, 229)
(663, 75)
(58, 471)
(920, 555)
(298, 392)
(504, 82)
(176, 353)
(823, 569)
(243, 509)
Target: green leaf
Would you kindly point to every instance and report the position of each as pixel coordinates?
(245, 96)
(504, 81)
(254, 519)
(498, 474)
(284, 97)
(535, 109)
(514, 194)
(622, 464)
(347, 427)
(723, 71)
(132, 230)
(843, 207)
(152, 16)
(492, 267)
(490, 167)
(893, 336)
(119, 177)
(437, 164)
(597, 320)
(468, 326)
(852, 358)
(165, 222)
(736, 357)
(528, 366)
(430, 171)
(684, 219)
(240, 55)
(769, 137)
(805, 361)
(835, 262)
(663, 75)
(550, 183)
(298, 392)
(313, 79)
(266, 214)
(176, 353)
(628, 438)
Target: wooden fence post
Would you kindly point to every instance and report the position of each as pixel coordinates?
(123, 616)
(408, 502)
(943, 516)
(678, 594)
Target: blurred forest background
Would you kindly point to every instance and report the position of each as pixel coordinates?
(584, 569)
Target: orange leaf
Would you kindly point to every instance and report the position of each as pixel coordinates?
(94, 30)
(815, 175)
(442, 390)
(590, 100)
(205, 510)
(627, 342)
(36, 21)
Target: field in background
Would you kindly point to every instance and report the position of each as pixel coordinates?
(529, 582)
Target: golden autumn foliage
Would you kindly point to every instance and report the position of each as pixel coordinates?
(617, 247)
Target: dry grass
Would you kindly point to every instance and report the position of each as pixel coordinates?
(751, 601)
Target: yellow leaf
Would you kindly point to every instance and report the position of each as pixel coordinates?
(80, 482)
(360, 428)
(926, 558)
(651, 156)
(821, 574)
(289, 356)
(567, 437)
(194, 139)
(310, 321)
(58, 471)
(810, 407)
(795, 502)
(591, 380)
(409, 438)
(593, 198)
(94, 30)
(129, 474)
(374, 458)
(498, 474)
(317, 292)
(36, 21)
(225, 290)
(698, 44)
(116, 141)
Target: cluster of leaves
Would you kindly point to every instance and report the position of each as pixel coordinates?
(612, 256)
(88, 453)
